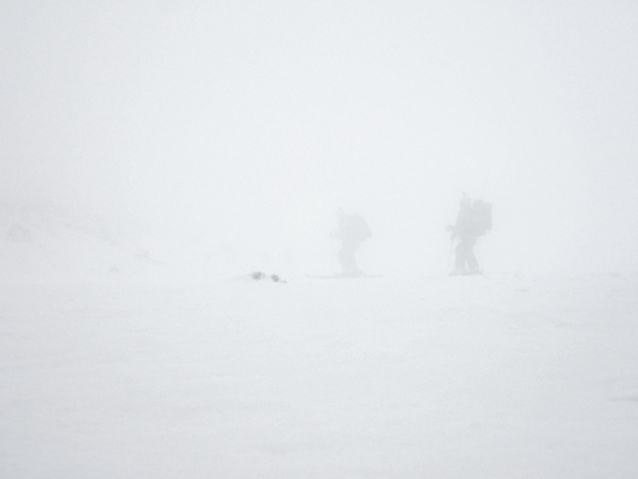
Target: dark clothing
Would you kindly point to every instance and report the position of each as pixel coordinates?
(465, 254)
(466, 229)
(353, 231)
(349, 266)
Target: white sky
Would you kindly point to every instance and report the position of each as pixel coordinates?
(249, 123)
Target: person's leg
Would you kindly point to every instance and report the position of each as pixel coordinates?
(460, 251)
(348, 262)
(470, 258)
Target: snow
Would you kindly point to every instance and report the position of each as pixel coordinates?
(497, 376)
(156, 153)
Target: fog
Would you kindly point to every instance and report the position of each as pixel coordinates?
(227, 134)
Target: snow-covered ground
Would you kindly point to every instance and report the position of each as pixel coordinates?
(500, 376)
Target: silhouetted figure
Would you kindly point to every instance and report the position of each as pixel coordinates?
(473, 220)
(353, 231)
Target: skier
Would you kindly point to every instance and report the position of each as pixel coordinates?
(353, 231)
(473, 220)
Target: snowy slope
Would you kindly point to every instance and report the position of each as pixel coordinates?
(484, 377)
(43, 241)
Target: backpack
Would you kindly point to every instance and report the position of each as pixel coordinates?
(482, 212)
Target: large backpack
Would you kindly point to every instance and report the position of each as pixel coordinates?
(482, 212)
